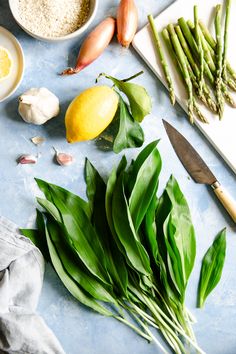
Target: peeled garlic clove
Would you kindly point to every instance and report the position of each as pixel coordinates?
(64, 159)
(37, 140)
(27, 159)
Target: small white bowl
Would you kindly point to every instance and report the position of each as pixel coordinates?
(78, 32)
(9, 85)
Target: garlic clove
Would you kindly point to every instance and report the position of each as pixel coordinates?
(37, 140)
(28, 99)
(27, 159)
(63, 159)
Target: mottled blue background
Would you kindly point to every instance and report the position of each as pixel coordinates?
(79, 330)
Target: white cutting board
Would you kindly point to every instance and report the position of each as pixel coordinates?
(221, 134)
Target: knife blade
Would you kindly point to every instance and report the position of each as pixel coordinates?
(197, 168)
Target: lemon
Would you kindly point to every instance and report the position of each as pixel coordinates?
(90, 113)
(5, 63)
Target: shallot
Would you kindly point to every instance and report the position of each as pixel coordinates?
(94, 45)
(127, 22)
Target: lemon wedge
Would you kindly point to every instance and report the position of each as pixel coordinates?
(5, 63)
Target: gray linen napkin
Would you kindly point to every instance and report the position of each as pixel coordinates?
(21, 275)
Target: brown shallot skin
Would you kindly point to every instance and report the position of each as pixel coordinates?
(127, 22)
(94, 45)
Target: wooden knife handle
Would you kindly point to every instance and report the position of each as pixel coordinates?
(228, 203)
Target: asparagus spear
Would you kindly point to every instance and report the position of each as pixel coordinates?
(228, 97)
(193, 45)
(206, 95)
(188, 35)
(181, 58)
(211, 57)
(200, 50)
(162, 58)
(199, 114)
(207, 34)
(212, 43)
(187, 51)
(218, 79)
(206, 51)
(206, 99)
(224, 60)
(166, 38)
(177, 65)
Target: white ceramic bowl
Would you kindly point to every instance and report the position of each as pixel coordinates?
(78, 32)
(9, 85)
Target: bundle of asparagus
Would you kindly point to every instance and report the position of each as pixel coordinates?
(201, 62)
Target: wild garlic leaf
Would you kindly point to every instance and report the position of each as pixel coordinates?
(150, 229)
(50, 208)
(145, 186)
(38, 236)
(130, 133)
(139, 99)
(73, 201)
(174, 260)
(180, 235)
(115, 173)
(78, 226)
(176, 239)
(115, 263)
(42, 237)
(73, 265)
(124, 228)
(136, 164)
(212, 267)
(94, 184)
(162, 212)
(70, 284)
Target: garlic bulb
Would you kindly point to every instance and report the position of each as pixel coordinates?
(38, 105)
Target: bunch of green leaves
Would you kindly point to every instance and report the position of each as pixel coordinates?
(134, 105)
(124, 250)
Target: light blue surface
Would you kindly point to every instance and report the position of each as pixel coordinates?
(79, 330)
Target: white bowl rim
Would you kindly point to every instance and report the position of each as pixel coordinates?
(23, 63)
(61, 38)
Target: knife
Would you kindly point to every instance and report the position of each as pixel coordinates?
(198, 169)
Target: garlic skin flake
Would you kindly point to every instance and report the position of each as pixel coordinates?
(38, 105)
(27, 159)
(37, 140)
